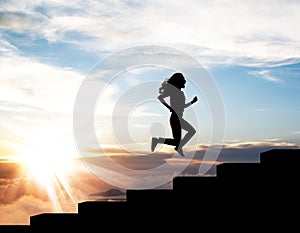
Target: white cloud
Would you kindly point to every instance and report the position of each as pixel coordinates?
(265, 75)
(259, 31)
(29, 82)
(6, 48)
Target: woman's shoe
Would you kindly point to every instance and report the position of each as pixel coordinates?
(154, 143)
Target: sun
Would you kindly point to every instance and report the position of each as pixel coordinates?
(49, 163)
(44, 164)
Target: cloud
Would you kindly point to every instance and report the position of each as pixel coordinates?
(260, 144)
(250, 151)
(6, 48)
(193, 162)
(29, 82)
(265, 75)
(11, 190)
(20, 211)
(19, 21)
(9, 169)
(249, 33)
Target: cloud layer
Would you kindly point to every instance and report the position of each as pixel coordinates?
(250, 32)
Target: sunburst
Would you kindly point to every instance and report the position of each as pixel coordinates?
(49, 162)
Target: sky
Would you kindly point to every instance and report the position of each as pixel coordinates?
(79, 81)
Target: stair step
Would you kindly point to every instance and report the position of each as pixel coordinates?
(54, 221)
(150, 196)
(100, 208)
(280, 156)
(15, 229)
(281, 164)
(239, 171)
(193, 183)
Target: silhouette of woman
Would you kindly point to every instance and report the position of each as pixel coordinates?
(172, 88)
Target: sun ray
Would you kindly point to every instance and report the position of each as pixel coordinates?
(48, 161)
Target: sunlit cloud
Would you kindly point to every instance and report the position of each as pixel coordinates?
(20, 211)
(274, 139)
(267, 143)
(182, 162)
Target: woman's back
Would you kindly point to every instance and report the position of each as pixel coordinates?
(177, 101)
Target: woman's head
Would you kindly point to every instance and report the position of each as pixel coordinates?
(177, 80)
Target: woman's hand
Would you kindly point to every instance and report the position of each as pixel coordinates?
(194, 100)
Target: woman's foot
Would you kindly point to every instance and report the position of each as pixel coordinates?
(180, 151)
(154, 143)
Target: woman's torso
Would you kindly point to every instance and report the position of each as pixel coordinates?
(177, 101)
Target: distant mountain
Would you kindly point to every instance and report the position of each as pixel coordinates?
(109, 193)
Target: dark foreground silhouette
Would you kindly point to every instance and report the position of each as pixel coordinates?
(242, 197)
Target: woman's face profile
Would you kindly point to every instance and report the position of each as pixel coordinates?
(183, 83)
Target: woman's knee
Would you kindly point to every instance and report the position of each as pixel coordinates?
(192, 131)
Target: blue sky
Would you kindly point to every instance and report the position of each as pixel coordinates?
(261, 103)
(48, 48)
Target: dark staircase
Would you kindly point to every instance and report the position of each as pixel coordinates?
(242, 197)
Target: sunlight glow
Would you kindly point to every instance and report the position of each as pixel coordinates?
(49, 162)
